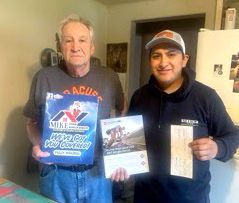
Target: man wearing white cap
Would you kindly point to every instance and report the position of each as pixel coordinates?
(174, 100)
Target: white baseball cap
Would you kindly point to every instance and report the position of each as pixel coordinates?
(167, 36)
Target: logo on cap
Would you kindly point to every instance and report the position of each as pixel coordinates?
(167, 36)
(164, 34)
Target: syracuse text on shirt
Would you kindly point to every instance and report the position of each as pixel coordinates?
(83, 90)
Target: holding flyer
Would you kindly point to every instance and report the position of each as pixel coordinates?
(69, 128)
(124, 145)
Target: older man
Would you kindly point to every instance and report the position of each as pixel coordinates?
(174, 100)
(78, 183)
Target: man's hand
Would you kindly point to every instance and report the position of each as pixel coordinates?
(37, 153)
(120, 174)
(33, 133)
(204, 148)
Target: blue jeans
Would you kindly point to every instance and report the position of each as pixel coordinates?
(66, 186)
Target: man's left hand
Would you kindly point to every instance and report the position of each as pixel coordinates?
(120, 174)
(204, 148)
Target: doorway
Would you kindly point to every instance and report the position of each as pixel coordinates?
(144, 30)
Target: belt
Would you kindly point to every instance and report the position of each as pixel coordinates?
(76, 168)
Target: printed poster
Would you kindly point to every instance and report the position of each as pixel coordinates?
(69, 128)
(124, 145)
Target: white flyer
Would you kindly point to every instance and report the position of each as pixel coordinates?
(124, 145)
(181, 154)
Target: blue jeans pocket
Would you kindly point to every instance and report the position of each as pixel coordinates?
(47, 176)
(47, 170)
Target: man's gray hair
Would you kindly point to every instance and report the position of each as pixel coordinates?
(75, 18)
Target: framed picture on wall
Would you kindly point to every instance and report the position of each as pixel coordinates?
(117, 57)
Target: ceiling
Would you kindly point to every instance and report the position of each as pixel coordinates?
(111, 2)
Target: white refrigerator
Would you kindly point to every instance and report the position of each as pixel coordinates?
(217, 66)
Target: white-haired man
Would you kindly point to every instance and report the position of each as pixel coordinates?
(78, 183)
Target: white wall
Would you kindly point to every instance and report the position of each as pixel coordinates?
(120, 16)
(27, 27)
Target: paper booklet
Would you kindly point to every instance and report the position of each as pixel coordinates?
(124, 145)
(69, 128)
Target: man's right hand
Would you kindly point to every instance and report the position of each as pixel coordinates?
(37, 153)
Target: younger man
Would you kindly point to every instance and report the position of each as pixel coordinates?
(173, 97)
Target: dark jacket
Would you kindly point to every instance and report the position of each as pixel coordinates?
(193, 104)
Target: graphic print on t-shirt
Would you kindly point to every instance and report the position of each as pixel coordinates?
(83, 90)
